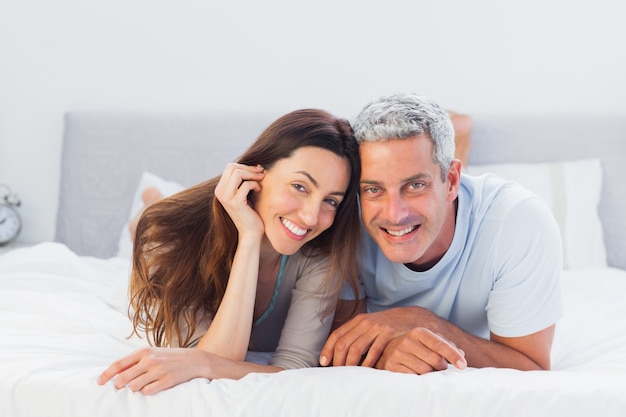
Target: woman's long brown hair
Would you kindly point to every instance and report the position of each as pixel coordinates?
(184, 245)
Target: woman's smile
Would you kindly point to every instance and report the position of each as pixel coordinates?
(294, 229)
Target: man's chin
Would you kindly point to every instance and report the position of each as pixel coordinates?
(401, 255)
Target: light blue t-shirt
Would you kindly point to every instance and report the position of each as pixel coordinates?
(502, 271)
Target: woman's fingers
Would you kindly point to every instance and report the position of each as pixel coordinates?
(118, 366)
(151, 370)
(235, 176)
(236, 183)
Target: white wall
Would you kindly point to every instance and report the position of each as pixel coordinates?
(484, 56)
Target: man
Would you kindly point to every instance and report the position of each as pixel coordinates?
(456, 269)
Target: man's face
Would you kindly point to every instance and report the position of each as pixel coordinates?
(406, 207)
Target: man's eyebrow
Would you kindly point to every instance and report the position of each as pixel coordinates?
(316, 185)
(403, 181)
(422, 176)
(369, 182)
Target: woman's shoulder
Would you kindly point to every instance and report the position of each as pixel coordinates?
(301, 266)
(306, 261)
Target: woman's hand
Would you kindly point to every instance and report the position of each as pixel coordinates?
(151, 370)
(232, 191)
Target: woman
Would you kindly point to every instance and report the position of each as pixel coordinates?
(250, 260)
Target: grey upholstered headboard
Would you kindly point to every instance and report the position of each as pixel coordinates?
(104, 155)
(542, 138)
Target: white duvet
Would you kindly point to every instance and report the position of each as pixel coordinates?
(63, 320)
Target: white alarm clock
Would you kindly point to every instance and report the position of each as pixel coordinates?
(10, 221)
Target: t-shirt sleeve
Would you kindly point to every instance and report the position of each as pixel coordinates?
(305, 330)
(526, 295)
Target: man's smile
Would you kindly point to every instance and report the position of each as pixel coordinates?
(402, 232)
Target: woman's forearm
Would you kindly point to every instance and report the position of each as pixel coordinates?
(229, 333)
(219, 367)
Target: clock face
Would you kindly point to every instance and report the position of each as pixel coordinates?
(10, 224)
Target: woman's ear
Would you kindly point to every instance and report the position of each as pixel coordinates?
(252, 197)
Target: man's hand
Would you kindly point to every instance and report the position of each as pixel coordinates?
(365, 333)
(420, 351)
(413, 339)
(363, 339)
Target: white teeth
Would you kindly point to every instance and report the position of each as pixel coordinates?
(401, 232)
(293, 228)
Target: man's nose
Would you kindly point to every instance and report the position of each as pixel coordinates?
(396, 208)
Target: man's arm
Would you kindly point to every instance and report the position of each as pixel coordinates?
(363, 339)
(531, 352)
(412, 339)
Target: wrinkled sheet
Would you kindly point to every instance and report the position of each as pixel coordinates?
(63, 320)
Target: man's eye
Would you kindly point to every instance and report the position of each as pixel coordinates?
(371, 190)
(416, 185)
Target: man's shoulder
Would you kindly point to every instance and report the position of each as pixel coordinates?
(504, 210)
(491, 195)
(488, 184)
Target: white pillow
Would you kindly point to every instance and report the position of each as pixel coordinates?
(572, 190)
(167, 188)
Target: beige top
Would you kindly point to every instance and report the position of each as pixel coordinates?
(294, 329)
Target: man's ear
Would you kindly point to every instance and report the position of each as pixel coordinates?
(454, 179)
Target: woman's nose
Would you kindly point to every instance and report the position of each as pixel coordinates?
(310, 213)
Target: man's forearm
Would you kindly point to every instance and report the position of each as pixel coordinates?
(530, 352)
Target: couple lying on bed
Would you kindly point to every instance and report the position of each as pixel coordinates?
(452, 269)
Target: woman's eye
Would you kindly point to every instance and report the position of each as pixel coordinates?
(332, 202)
(299, 187)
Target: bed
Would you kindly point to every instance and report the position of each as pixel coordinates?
(63, 306)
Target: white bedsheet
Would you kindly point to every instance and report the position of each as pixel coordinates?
(62, 321)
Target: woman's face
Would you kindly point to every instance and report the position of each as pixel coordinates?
(300, 195)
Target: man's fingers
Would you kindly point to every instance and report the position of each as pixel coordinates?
(425, 368)
(358, 349)
(438, 344)
(376, 350)
(326, 355)
(360, 341)
(447, 350)
(421, 351)
(344, 350)
(407, 363)
(337, 342)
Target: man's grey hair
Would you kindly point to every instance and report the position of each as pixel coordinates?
(404, 115)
